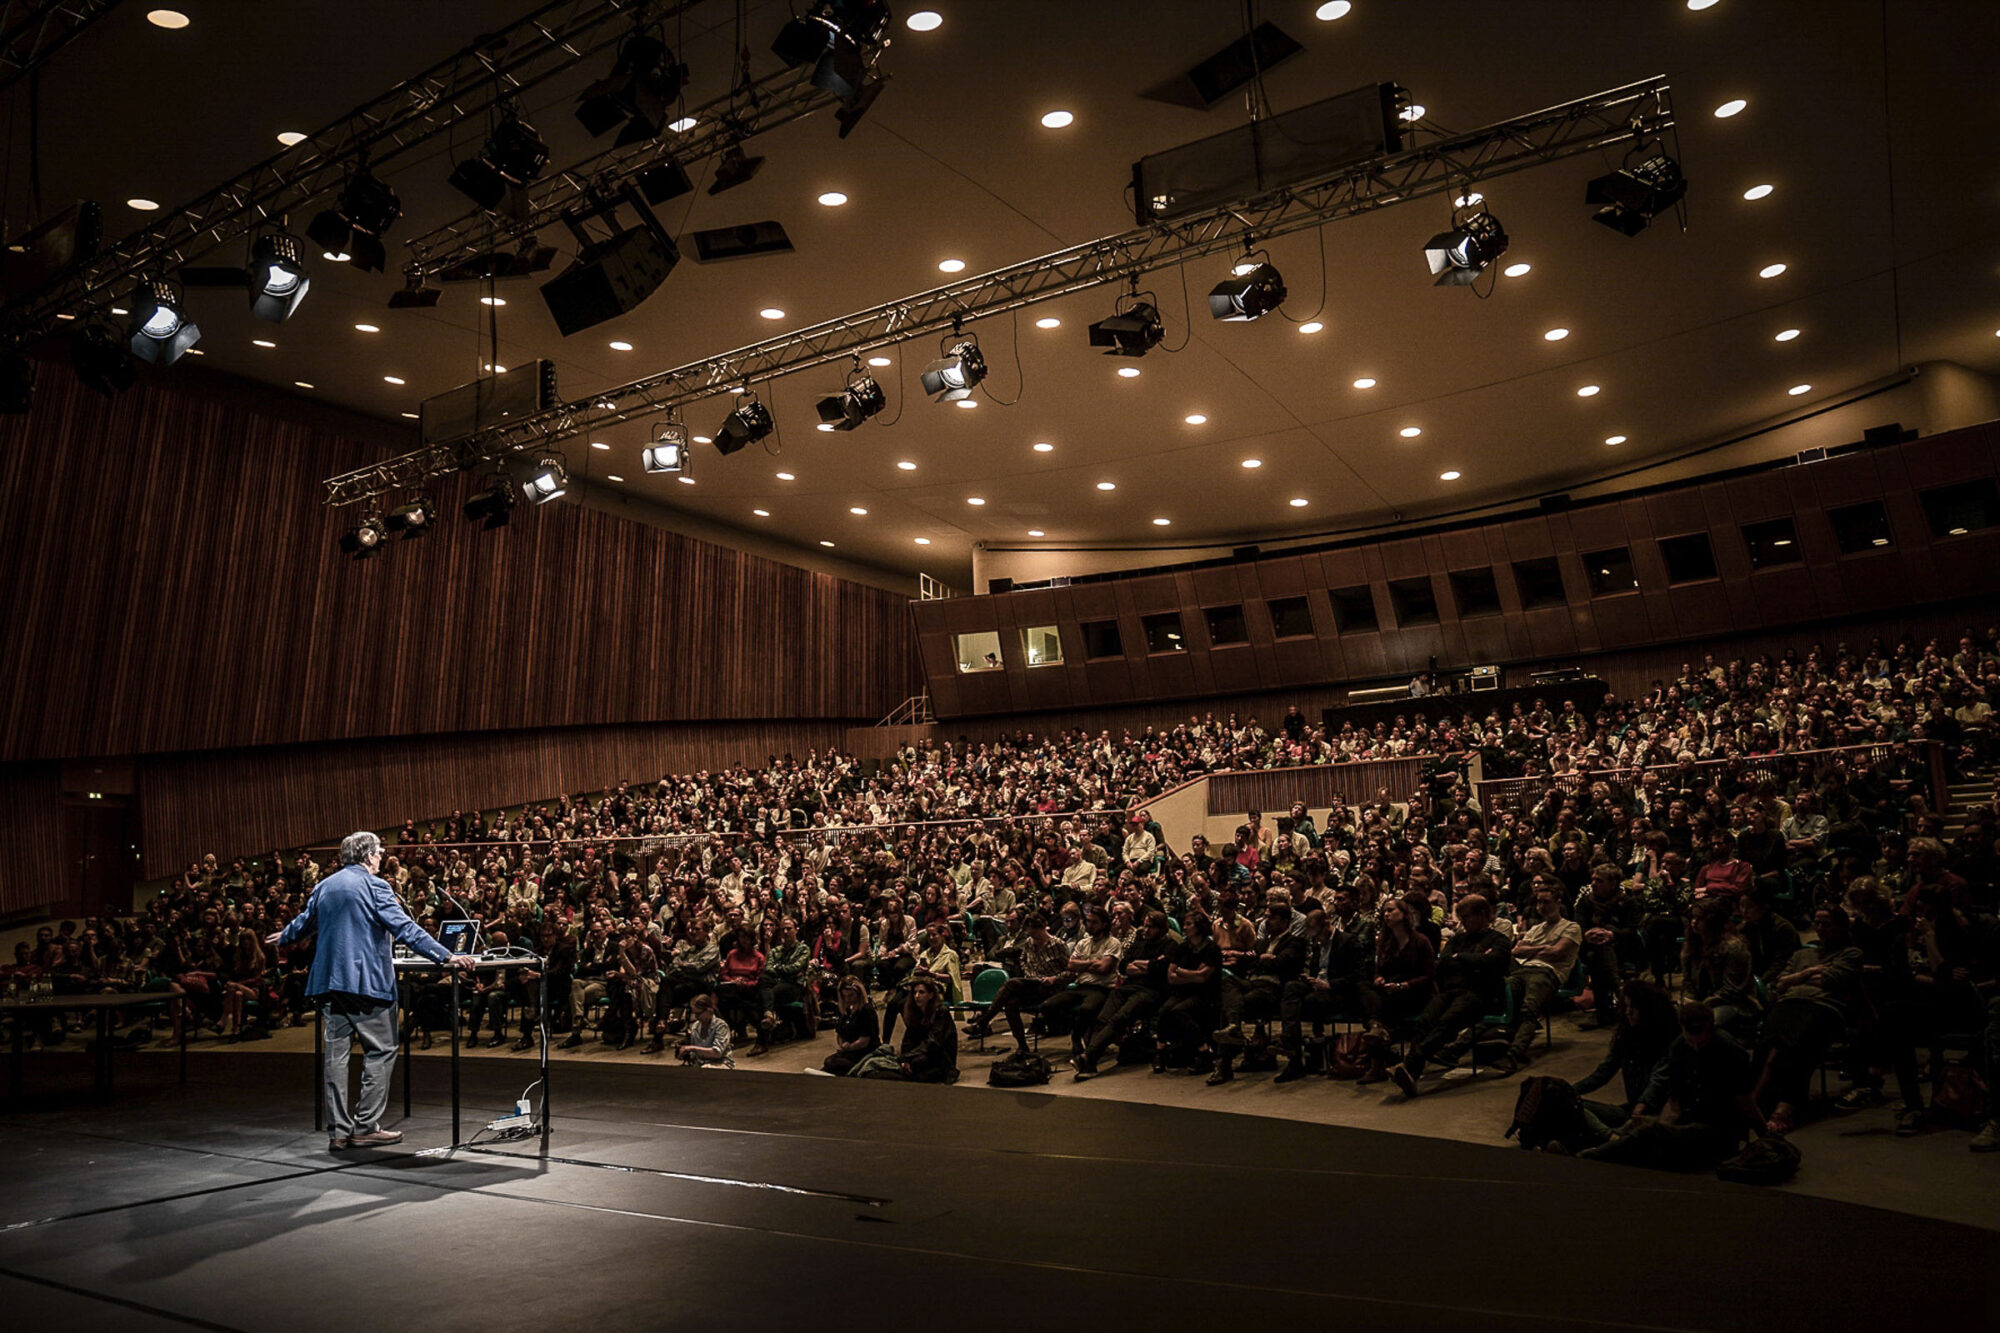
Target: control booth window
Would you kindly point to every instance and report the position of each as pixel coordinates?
(1540, 582)
(1225, 626)
(1771, 543)
(1102, 639)
(1476, 592)
(1041, 645)
(1354, 610)
(1968, 506)
(979, 652)
(1689, 559)
(1163, 632)
(1292, 618)
(1858, 528)
(1610, 571)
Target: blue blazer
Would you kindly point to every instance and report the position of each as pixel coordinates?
(356, 918)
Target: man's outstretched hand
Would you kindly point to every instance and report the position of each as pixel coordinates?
(464, 962)
(273, 937)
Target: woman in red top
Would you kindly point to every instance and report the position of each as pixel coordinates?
(740, 983)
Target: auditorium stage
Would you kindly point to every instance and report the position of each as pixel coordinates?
(703, 1199)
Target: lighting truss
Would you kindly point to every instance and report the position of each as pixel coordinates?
(463, 87)
(1441, 166)
(33, 30)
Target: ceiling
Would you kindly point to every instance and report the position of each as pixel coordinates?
(1883, 211)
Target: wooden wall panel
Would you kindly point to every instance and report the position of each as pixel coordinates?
(171, 582)
(31, 837)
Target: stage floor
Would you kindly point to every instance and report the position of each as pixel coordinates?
(698, 1199)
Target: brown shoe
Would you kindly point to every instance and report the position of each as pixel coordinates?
(375, 1138)
(337, 1144)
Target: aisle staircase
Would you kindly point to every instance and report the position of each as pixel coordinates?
(1964, 796)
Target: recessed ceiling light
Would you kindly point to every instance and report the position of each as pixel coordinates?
(1798, 389)
(684, 479)
(878, 361)
(1057, 120)
(974, 500)
(824, 542)
(1333, 9)
(335, 256)
(1196, 419)
(67, 315)
(1365, 382)
(1880, 541)
(620, 345)
(951, 265)
(1614, 439)
(613, 476)
(857, 510)
(291, 137)
(1699, 5)
(1036, 532)
(703, 439)
(786, 476)
(599, 444)
(1448, 476)
(1410, 432)
(1956, 532)
(262, 342)
(143, 205)
(967, 403)
(1253, 462)
(166, 18)
(366, 328)
(761, 513)
(411, 415)
(301, 384)
(1770, 270)
(1785, 335)
(1107, 485)
(1757, 192)
(1730, 108)
(1128, 372)
(1311, 326)
(495, 301)
(924, 20)
(1161, 522)
(923, 541)
(120, 310)
(393, 379)
(1556, 335)
(825, 425)
(771, 312)
(1043, 447)
(1588, 391)
(833, 199)
(496, 370)
(683, 125)
(1516, 270)
(907, 466)
(1415, 112)
(1298, 502)
(1048, 322)
(1468, 200)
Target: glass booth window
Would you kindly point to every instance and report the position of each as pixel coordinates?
(1041, 645)
(979, 652)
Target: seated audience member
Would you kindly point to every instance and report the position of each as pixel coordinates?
(929, 1053)
(857, 1031)
(1138, 992)
(1405, 980)
(739, 987)
(1193, 999)
(1697, 1111)
(1613, 946)
(936, 959)
(706, 1042)
(1257, 994)
(589, 979)
(1544, 956)
(1716, 966)
(1647, 1026)
(1814, 996)
(1885, 1037)
(1308, 997)
(1471, 974)
(1771, 939)
(1722, 873)
(1044, 965)
(484, 998)
(1092, 968)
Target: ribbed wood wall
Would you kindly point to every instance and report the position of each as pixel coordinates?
(169, 582)
(258, 801)
(31, 837)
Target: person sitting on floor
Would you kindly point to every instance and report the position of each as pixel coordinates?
(706, 1041)
(929, 1053)
(1647, 1026)
(857, 1031)
(1702, 1090)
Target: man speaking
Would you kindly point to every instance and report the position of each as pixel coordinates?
(353, 979)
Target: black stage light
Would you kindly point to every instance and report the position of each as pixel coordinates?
(1633, 196)
(1457, 257)
(160, 331)
(17, 384)
(668, 180)
(353, 228)
(955, 374)
(860, 400)
(734, 169)
(51, 250)
(750, 421)
(547, 481)
(414, 519)
(1132, 331)
(669, 450)
(102, 363)
(277, 276)
(613, 273)
(416, 294)
(849, 115)
(642, 85)
(365, 538)
(494, 505)
(513, 156)
(836, 38)
(1243, 296)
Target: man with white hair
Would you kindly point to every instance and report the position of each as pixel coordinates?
(356, 919)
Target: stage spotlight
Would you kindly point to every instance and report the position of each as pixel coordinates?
(955, 374)
(1244, 296)
(414, 519)
(734, 169)
(1132, 331)
(669, 450)
(750, 421)
(365, 538)
(277, 276)
(513, 156)
(860, 400)
(17, 384)
(1457, 257)
(354, 226)
(836, 38)
(547, 481)
(101, 361)
(51, 250)
(160, 331)
(416, 294)
(642, 85)
(1633, 196)
(494, 505)
(849, 115)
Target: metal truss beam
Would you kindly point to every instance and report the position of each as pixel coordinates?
(497, 67)
(1637, 111)
(33, 30)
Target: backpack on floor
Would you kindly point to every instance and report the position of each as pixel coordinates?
(1767, 1160)
(1022, 1069)
(1547, 1110)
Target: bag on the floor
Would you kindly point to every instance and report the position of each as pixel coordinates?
(1958, 1097)
(1767, 1160)
(1022, 1069)
(1347, 1055)
(1547, 1110)
(881, 1062)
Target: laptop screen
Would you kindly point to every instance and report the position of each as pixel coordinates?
(459, 936)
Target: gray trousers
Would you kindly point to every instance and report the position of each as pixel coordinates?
(377, 1034)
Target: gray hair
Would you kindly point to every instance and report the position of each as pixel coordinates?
(358, 847)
